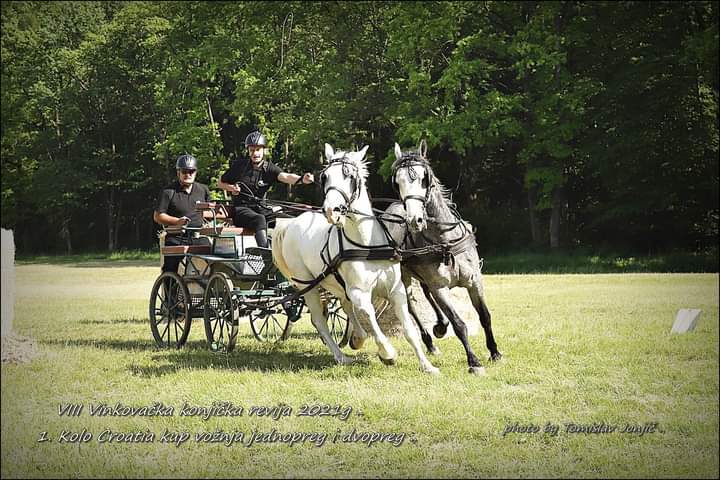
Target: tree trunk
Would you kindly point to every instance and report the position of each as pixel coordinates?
(111, 219)
(118, 217)
(555, 218)
(534, 220)
(65, 235)
(137, 233)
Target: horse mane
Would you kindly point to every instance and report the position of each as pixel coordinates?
(433, 178)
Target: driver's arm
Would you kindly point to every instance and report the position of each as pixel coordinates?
(228, 187)
(292, 179)
(169, 220)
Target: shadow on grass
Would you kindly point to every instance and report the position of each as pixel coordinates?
(241, 358)
(248, 354)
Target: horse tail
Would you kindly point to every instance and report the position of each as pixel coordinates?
(277, 241)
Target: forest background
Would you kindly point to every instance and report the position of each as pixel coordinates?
(556, 126)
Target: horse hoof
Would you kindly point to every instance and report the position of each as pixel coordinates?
(346, 361)
(495, 357)
(439, 330)
(387, 361)
(435, 372)
(479, 371)
(435, 351)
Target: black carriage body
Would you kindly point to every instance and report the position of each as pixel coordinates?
(221, 282)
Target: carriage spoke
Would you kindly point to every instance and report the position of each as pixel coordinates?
(179, 326)
(264, 327)
(221, 324)
(277, 326)
(167, 327)
(215, 322)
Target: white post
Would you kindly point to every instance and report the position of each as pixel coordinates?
(686, 320)
(8, 282)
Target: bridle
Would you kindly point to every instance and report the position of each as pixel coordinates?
(349, 169)
(409, 160)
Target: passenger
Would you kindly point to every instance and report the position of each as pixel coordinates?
(176, 207)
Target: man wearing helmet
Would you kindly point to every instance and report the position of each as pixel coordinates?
(248, 179)
(176, 206)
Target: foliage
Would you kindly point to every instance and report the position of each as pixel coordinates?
(551, 122)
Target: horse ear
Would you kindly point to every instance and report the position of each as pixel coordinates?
(398, 152)
(329, 152)
(362, 152)
(422, 148)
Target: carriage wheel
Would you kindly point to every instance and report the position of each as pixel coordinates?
(170, 303)
(337, 320)
(221, 321)
(269, 325)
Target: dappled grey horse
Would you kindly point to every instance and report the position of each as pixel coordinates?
(440, 249)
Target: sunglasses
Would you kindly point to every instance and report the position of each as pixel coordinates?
(188, 172)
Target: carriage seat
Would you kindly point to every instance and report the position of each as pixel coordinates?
(223, 213)
(224, 229)
(183, 249)
(239, 231)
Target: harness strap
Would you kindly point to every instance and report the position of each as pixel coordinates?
(447, 251)
(331, 267)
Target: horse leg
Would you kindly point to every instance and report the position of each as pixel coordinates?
(478, 301)
(442, 296)
(400, 305)
(363, 307)
(441, 321)
(411, 303)
(356, 334)
(314, 303)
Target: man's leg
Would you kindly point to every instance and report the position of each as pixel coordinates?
(261, 238)
(171, 262)
(248, 218)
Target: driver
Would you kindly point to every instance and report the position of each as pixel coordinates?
(252, 177)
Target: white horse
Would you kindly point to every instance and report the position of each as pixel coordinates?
(304, 246)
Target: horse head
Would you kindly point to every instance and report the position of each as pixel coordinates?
(342, 182)
(412, 179)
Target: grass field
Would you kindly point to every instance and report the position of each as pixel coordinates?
(588, 350)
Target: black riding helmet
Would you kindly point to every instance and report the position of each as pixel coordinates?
(186, 162)
(256, 138)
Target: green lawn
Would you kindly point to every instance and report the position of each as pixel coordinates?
(581, 349)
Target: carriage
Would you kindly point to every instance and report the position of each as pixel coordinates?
(223, 279)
